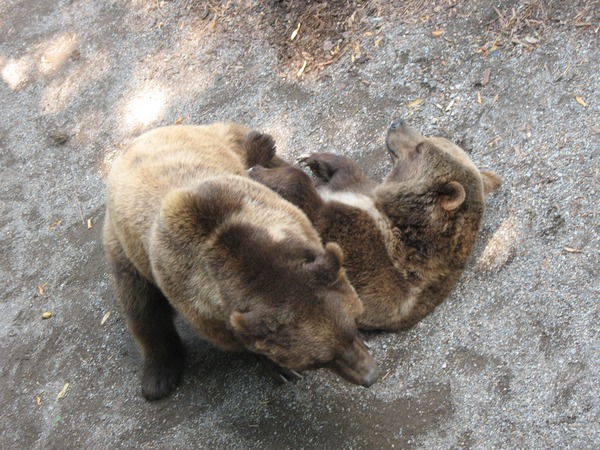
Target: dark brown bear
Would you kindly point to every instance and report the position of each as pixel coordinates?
(186, 230)
(407, 240)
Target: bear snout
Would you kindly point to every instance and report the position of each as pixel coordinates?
(356, 365)
(396, 124)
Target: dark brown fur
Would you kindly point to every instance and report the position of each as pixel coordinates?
(407, 240)
(186, 230)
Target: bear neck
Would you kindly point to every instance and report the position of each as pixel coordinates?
(423, 246)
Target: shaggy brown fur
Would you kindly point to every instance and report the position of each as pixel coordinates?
(186, 230)
(407, 240)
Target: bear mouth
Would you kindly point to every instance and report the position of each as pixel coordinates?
(393, 153)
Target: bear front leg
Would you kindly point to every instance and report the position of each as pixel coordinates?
(337, 172)
(292, 184)
(150, 319)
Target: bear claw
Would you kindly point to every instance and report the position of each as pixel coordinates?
(279, 373)
(302, 158)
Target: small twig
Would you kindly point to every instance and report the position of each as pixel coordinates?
(386, 375)
(79, 207)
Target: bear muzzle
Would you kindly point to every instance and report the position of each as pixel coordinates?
(356, 365)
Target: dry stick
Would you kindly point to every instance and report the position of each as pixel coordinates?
(79, 207)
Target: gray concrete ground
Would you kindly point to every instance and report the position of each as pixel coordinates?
(510, 360)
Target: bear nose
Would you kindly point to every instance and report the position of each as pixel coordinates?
(397, 123)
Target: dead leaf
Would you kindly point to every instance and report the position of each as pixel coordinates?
(41, 288)
(573, 250)
(105, 318)
(479, 98)
(62, 392)
(486, 76)
(450, 105)
(378, 41)
(325, 63)
(351, 19)
(301, 71)
(494, 100)
(54, 224)
(595, 128)
(89, 224)
(581, 101)
(295, 32)
(416, 102)
(59, 138)
(47, 315)
(38, 400)
(178, 120)
(531, 39)
(437, 33)
(494, 141)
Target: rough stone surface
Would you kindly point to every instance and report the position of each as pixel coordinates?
(510, 360)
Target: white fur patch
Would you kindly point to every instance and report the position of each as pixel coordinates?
(410, 301)
(354, 199)
(365, 203)
(277, 233)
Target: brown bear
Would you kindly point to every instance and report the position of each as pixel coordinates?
(405, 241)
(187, 230)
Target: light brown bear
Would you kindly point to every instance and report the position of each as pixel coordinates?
(186, 230)
(405, 241)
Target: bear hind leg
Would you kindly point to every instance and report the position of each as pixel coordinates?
(151, 320)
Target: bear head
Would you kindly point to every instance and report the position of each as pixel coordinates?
(293, 303)
(283, 296)
(432, 182)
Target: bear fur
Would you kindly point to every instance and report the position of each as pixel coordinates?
(407, 240)
(187, 230)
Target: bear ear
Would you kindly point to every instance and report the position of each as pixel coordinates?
(199, 210)
(452, 195)
(491, 182)
(327, 266)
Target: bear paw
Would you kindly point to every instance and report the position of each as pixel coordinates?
(260, 148)
(321, 164)
(160, 378)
